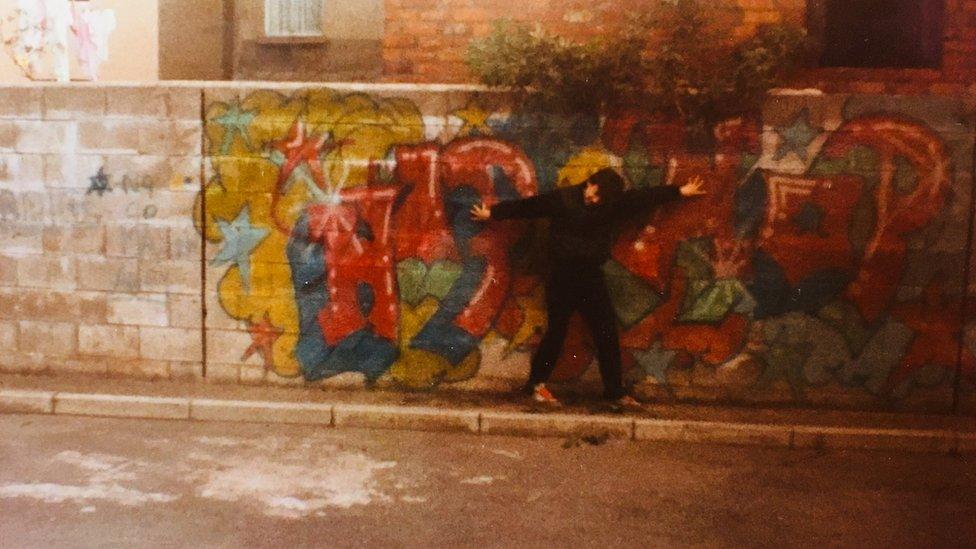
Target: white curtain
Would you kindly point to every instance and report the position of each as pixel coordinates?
(293, 17)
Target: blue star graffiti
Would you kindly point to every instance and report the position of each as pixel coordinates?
(240, 239)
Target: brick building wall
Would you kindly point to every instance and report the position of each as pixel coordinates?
(425, 40)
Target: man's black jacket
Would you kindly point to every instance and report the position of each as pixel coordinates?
(581, 234)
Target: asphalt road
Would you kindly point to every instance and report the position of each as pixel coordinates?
(87, 482)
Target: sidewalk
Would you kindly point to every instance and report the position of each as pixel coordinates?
(588, 421)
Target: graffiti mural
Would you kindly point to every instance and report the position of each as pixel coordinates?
(828, 254)
(355, 245)
(823, 255)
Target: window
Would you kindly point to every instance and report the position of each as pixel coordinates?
(292, 18)
(881, 33)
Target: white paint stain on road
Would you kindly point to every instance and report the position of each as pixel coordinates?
(298, 487)
(225, 442)
(102, 467)
(413, 499)
(481, 481)
(60, 493)
(105, 476)
(275, 478)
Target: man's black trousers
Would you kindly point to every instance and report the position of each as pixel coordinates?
(579, 287)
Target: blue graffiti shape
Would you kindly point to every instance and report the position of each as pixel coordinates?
(775, 296)
(364, 231)
(440, 335)
(749, 205)
(547, 139)
(361, 351)
(366, 298)
(241, 237)
(502, 184)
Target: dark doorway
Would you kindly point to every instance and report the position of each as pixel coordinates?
(882, 33)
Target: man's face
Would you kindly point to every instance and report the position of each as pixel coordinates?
(591, 194)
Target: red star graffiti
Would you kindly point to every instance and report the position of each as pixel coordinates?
(937, 335)
(299, 149)
(263, 337)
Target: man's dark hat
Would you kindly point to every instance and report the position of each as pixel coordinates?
(610, 183)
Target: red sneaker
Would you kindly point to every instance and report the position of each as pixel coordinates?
(542, 395)
(628, 402)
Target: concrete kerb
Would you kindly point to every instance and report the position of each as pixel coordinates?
(410, 418)
(26, 402)
(245, 411)
(486, 422)
(555, 424)
(909, 440)
(713, 432)
(966, 443)
(126, 406)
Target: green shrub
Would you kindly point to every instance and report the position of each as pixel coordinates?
(677, 59)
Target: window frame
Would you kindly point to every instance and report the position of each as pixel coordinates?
(269, 37)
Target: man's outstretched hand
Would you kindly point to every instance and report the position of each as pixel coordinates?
(694, 187)
(480, 212)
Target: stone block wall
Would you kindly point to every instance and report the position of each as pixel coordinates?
(329, 242)
(99, 260)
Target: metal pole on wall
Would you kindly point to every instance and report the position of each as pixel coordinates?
(203, 234)
(967, 273)
(229, 29)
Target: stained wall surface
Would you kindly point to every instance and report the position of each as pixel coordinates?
(99, 257)
(192, 40)
(133, 54)
(350, 49)
(826, 266)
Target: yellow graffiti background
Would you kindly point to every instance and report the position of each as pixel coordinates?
(420, 369)
(585, 163)
(239, 137)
